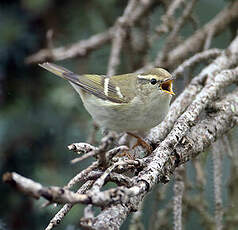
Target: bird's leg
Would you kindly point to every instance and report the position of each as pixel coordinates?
(141, 142)
(126, 154)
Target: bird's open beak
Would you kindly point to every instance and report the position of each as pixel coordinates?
(167, 86)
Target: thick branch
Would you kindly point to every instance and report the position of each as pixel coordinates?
(80, 48)
(187, 139)
(195, 43)
(83, 47)
(181, 136)
(228, 58)
(162, 164)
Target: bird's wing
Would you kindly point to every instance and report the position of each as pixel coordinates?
(98, 85)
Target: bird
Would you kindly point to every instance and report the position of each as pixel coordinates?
(132, 103)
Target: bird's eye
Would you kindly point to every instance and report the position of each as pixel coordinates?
(153, 81)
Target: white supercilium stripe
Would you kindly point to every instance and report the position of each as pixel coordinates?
(140, 76)
(146, 77)
(106, 83)
(119, 92)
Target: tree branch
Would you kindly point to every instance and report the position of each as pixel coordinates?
(198, 116)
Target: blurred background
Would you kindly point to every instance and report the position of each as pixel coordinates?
(40, 114)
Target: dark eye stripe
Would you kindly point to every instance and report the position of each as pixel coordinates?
(144, 81)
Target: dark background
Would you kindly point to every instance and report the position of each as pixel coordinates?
(40, 114)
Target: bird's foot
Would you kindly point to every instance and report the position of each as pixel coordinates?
(142, 143)
(126, 154)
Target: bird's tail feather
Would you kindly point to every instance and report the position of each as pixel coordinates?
(58, 70)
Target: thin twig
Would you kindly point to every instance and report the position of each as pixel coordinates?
(177, 200)
(76, 179)
(170, 41)
(56, 220)
(80, 48)
(119, 36)
(217, 175)
(195, 59)
(168, 18)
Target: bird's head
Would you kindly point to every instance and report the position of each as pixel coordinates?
(157, 81)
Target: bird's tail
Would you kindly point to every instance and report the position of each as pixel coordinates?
(58, 70)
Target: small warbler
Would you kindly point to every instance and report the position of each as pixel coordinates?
(132, 103)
